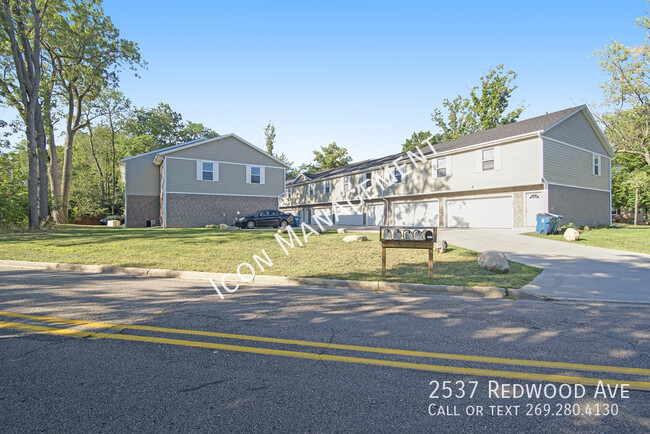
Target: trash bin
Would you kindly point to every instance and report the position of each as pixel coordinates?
(555, 223)
(544, 223)
(296, 221)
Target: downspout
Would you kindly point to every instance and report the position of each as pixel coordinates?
(164, 222)
(610, 191)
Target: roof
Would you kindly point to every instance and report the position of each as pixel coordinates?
(201, 141)
(527, 126)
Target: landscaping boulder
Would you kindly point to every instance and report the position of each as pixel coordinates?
(342, 231)
(440, 247)
(355, 238)
(494, 261)
(283, 230)
(225, 227)
(571, 235)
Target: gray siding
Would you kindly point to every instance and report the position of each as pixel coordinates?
(577, 131)
(520, 165)
(574, 167)
(181, 178)
(142, 176)
(579, 206)
(227, 149)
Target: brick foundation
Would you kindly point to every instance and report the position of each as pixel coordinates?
(141, 208)
(579, 206)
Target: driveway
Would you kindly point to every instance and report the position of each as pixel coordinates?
(570, 270)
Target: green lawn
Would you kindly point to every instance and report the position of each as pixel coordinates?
(323, 256)
(628, 237)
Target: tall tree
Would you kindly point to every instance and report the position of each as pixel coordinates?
(485, 107)
(417, 138)
(20, 23)
(638, 180)
(627, 94)
(331, 156)
(85, 53)
(269, 137)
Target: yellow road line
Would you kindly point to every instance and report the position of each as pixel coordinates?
(636, 385)
(465, 358)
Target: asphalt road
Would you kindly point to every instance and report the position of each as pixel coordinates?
(178, 367)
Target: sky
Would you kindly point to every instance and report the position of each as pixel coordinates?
(363, 74)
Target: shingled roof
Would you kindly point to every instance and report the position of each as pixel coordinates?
(539, 123)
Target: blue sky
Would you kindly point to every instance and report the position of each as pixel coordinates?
(363, 74)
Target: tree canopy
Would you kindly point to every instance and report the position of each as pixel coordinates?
(330, 157)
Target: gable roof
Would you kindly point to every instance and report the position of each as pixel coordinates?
(523, 128)
(202, 141)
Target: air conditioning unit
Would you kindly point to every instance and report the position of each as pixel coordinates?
(151, 223)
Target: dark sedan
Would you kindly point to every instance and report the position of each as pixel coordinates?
(267, 218)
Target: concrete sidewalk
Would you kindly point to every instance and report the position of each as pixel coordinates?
(572, 271)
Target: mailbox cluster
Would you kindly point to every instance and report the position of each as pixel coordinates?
(407, 234)
(404, 237)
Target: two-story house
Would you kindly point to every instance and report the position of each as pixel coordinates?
(205, 181)
(498, 178)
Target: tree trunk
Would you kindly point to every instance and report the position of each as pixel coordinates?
(32, 182)
(99, 169)
(42, 167)
(53, 174)
(636, 206)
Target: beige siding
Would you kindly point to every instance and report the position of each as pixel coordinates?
(181, 178)
(577, 131)
(567, 165)
(228, 149)
(142, 176)
(520, 165)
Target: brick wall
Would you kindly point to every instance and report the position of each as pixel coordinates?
(141, 208)
(198, 210)
(579, 206)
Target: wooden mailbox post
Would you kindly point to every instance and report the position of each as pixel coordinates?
(407, 237)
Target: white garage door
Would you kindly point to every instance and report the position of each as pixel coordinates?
(422, 213)
(492, 212)
(324, 213)
(347, 215)
(375, 215)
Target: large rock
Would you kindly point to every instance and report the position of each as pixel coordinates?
(440, 247)
(571, 235)
(225, 227)
(355, 238)
(342, 231)
(283, 230)
(494, 261)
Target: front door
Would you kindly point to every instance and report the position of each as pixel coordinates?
(535, 204)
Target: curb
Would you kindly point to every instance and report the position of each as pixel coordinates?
(379, 286)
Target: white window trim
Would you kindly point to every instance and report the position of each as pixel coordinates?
(311, 190)
(328, 186)
(366, 179)
(595, 157)
(346, 183)
(249, 174)
(199, 170)
(447, 167)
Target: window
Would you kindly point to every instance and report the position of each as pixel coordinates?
(367, 179)
(310, 190)
(207, 170)
(328, 186)
(398, 173)
(256, 175)
(596, 165)
(487, 159)
(346, 183)
(440, 169)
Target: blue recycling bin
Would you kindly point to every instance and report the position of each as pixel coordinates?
(544, 223)
(296, 221)
(555, 223)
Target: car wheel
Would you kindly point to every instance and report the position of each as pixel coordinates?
(284, 224)
(250, 224)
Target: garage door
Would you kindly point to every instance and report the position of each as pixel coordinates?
(324, 213)
(375, 215)
(347, 215)
(423, 213)
(492, 212)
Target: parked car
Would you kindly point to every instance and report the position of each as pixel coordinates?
(265, 218)
(105, 220)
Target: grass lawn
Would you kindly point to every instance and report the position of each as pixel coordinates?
(628, 237)
(323, 256)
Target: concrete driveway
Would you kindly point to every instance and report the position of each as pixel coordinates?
(570, 270)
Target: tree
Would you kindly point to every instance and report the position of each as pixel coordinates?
(85, 54)
(485, 107)
(627, 94)
(638, 180)
(20, 23)
(331, 156)
(416, 140)
(14, 175)
(269, 136)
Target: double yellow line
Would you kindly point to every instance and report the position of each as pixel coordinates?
(587, 381)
